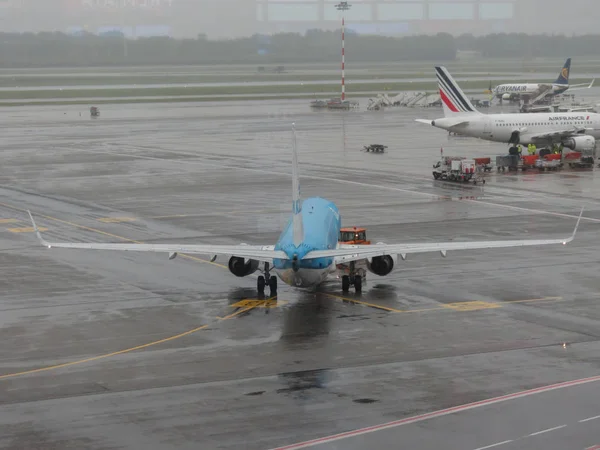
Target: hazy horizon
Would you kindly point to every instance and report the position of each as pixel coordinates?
(239, 18)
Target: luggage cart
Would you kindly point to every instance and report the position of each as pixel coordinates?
(375, 148)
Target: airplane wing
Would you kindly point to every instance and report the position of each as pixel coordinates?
(347, 253)
(265, 253)
(557, 134)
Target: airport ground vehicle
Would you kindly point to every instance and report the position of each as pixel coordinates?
(579, 159)
(354, 272)
(457, 168)
(375, 148)
(94, 111)
(548, 164)
(513, 163)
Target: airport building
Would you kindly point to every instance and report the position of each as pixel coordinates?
(236, 18)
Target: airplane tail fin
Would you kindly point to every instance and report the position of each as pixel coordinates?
(563, 76)
(298, 229)
(454, 100)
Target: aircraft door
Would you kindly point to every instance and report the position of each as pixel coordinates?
(487, 128)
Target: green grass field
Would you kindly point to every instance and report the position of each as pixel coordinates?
(110, 78)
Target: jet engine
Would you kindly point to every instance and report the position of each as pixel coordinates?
(382, 265)
(580, 143)
(241, 267)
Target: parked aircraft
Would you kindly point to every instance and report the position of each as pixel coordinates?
(577, 131)
(308, 249)
(533, 91)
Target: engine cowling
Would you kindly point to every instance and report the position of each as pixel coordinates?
(580, 143)
(241, 267)
(382, 265)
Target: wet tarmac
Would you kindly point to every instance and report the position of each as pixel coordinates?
(111, 350)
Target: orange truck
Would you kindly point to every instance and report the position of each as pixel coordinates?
(354, 272)
(353, 236)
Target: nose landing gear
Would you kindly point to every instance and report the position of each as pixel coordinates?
(262, 282)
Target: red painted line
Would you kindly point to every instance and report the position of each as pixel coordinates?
(595, 447)
(443, 412)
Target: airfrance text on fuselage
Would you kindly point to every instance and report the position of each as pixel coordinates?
(569, 118)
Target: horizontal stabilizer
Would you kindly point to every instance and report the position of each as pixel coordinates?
(425, 121)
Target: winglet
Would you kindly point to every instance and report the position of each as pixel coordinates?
(576, 226)
(37, 231)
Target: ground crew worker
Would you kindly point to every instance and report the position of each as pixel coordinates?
(533, 149)
(519, 150)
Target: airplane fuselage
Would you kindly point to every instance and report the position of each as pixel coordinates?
(321, 222)
(527, 89)
(500, 127)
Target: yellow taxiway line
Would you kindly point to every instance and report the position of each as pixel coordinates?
(106, 233)
(245, 306)
(120, 352)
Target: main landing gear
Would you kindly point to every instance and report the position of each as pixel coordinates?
(355, 278)
(262, 282)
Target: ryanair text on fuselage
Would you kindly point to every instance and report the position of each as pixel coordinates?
(512, 88)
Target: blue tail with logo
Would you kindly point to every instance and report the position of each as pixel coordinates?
(563, 76)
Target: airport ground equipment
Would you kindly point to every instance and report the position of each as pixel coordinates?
(334, 103)
(456, 168)
(545, 164)
(375, 148)
(484, 164)
(94, 111)
(580, 160)
(354, 272)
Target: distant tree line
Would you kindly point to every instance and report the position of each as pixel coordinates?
(58, 49)
(522, 45)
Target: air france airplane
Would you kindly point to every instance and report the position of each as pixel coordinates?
(522, 91)
(308, 249)
(577, 131)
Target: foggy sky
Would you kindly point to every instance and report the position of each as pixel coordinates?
(237, 18)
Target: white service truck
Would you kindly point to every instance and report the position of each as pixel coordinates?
(456, 168)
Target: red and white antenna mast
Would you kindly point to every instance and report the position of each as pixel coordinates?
(343, 6)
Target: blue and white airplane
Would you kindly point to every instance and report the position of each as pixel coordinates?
(308, 249)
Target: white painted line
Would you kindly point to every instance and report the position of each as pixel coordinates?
(538, 211)
(339, 180)
(432, 415)
(589, 418)
(270, 172)
(494, 445)
(547, 431)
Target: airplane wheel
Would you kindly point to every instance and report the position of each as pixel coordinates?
(273, 285)
(260, 285)
(345, 283)
(358, 283)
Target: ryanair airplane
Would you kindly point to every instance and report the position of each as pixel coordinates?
(528, 91)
